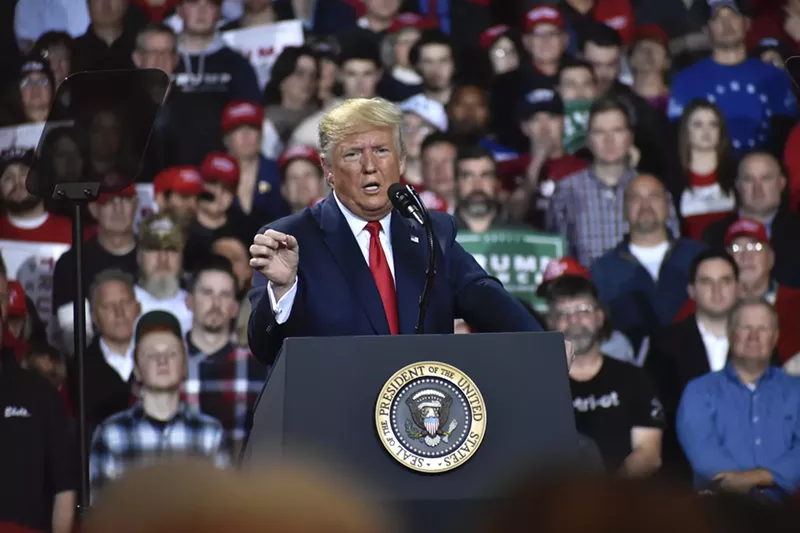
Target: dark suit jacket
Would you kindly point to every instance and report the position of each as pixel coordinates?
(337, 295)
(785, 231)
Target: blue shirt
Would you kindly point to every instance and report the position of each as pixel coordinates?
(725, 426)
(749, 95)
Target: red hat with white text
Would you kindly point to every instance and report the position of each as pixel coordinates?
(184, 180)
(558, 268)
(298, 152)
(543, 15)
(746, 227)
(127, 192)
(490, 35)
(242, 113)
(219, 167)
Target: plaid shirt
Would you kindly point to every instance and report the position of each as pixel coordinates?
(225, 385)
(130, 439)
(591, 215)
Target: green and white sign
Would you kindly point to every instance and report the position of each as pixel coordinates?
(517, 258)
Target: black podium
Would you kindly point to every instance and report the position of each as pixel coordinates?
(323, 394)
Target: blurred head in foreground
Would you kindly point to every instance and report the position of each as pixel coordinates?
(189, 496)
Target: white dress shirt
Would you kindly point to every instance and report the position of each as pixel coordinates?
(122, 363)
(283, 307)
(716, 348)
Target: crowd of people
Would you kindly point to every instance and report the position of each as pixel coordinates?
(660, 139)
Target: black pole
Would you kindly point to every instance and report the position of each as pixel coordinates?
(430, 274)
(79, 335)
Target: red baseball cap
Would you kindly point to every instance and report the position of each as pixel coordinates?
(220, 167)
(543, 15)
(490, 35)
(182, 180)
(17, 305)
(242, 113)
(564, 266)
(410, 20)
(127, 192)
(298, 152)
(746, 227)
(651, 32)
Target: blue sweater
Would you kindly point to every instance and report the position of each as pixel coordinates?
(749, 95)
(638, 304)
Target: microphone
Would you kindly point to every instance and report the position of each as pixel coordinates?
(404, 200)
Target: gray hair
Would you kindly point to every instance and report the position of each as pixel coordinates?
(355, 115)
(740, 305)
(108, 275)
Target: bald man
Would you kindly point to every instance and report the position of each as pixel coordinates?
(643, 280)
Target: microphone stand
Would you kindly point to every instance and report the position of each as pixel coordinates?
(430, 272)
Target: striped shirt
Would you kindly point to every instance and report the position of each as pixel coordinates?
(591, 214)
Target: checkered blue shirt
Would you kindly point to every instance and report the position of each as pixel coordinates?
(129, 439)
(591, 215)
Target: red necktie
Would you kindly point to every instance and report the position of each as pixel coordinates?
(383, 276)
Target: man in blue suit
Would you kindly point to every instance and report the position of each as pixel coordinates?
(363, 265)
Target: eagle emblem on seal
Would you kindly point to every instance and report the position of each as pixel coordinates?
(430, 411)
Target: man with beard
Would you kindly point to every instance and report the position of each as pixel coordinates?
(615, 403)
(755, 97)
(160, 257)
(740, 426)
(26, 218)
(468, 118)
(223, 379)
(643, 279)
(478, 207)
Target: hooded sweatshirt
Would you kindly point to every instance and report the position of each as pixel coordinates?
(205, 82)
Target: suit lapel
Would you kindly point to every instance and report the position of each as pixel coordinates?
(410, 261)
(696, 356)
(345, 250)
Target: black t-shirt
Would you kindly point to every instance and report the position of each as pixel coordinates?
(37, 447)
(96, 259)
(619, 398)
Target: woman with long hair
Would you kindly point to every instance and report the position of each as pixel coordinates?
(29, 97)
(707, 168)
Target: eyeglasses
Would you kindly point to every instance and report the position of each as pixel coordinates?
(27, 82)
(155, 356)
(749, 247)
(580, 311)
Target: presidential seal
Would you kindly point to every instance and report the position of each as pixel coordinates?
(430, 417)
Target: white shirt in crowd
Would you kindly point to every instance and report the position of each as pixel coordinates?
(283, 307)
(650, 257)
(122, 363)
(33, 18)
(716, 348)
(175, 305)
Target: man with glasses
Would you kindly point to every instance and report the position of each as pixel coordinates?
(746, 240)
(160, 426)
(615, 403)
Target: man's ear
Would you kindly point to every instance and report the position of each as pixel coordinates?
(94, 209)
(327, 173)
(691, 292)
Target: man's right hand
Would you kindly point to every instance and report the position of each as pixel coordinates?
(275, 255)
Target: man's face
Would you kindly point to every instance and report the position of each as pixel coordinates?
(715, 288)
(605, 63)
(157, 51)
(468, 111)
(649, 56)
(477, 186)
(235, 252)
(754, 337)
(437, 169)
(415, 129)
(107, 13)
(114, 311)
(160, 361)
(213, 302)
(760, 184)
(436, 66)
(384, 9)
(546, 43)
(200, 17)
(359, 78)
(364, 165)
(36, 91)
(609, 137)
(15, 196)
(646, 205)
(159, 271)
(727, 29)
(576, 84)
(302, 184)
(243, 142)
(302, 83)
(704, 130)
(754, 258)
(221, 202)
(579, 319)
(115, 216)
(544, 127)
(182, 207)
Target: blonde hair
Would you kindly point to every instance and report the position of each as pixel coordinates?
(357, 115)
